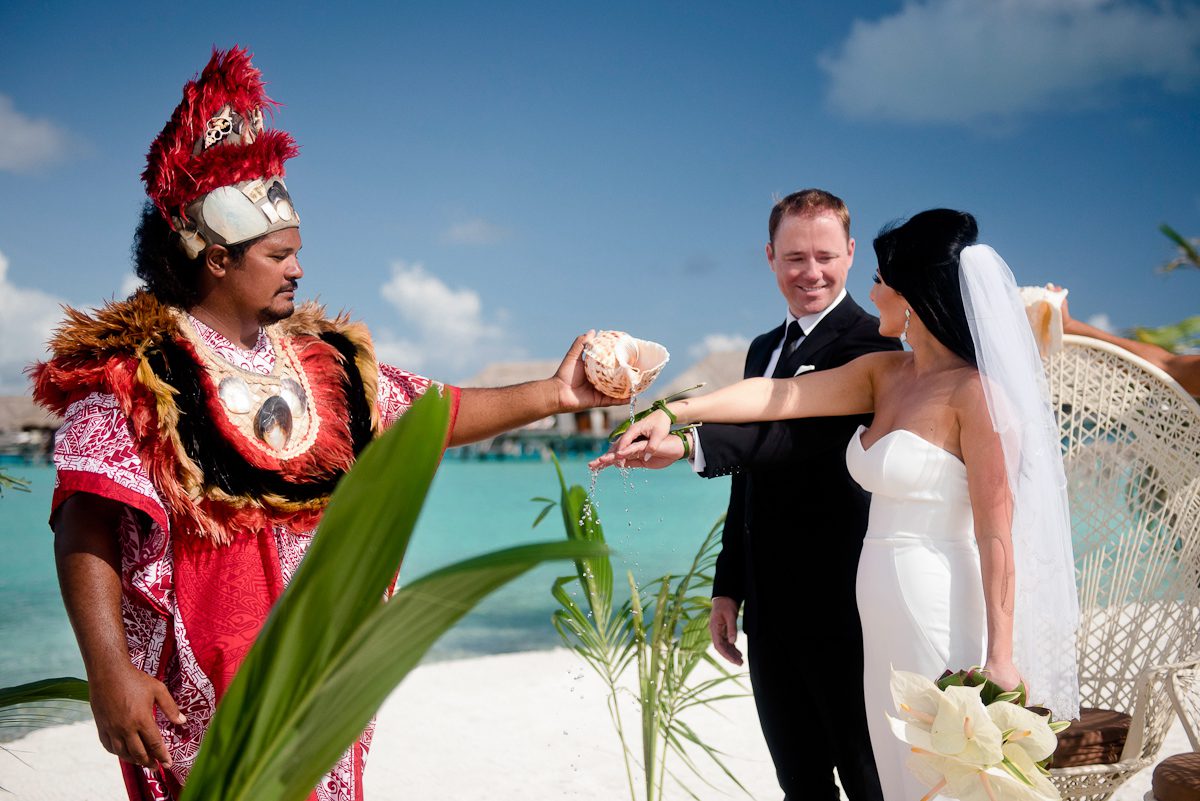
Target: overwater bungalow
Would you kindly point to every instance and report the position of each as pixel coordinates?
(26, 430)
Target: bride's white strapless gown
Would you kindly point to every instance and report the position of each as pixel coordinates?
(920, 595)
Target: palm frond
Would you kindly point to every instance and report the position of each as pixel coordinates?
(1189, 255)
(661, 633)
(12, 482)
(1178, 337)
(69, 689)
(38, 704)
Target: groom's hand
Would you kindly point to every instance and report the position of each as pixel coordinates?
(722, 625)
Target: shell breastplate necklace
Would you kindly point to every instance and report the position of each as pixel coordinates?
(271, 408)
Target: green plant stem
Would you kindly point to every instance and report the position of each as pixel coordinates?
(664, 640)
(12, 482)
(645, 699)
(659, 662)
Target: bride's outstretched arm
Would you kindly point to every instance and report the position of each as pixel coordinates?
(848, 389)
(991, 506)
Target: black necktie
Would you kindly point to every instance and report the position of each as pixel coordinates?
(790, 342)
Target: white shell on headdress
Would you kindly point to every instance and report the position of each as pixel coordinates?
(232, 215)
(620, 366)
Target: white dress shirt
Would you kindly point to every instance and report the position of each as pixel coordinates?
(807, 323)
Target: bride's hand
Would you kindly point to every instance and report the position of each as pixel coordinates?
(1004, 673)
(653, 428)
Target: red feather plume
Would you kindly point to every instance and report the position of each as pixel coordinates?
(174, 177)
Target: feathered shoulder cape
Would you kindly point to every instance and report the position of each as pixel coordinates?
(214, 480)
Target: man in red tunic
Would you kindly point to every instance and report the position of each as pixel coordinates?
(207, 421)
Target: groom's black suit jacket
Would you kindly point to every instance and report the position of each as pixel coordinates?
(795, 524)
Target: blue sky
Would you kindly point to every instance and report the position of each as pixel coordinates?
(481, 183)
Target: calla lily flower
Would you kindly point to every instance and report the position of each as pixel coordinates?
(916, 697)
(962, 728)
(1029, 730)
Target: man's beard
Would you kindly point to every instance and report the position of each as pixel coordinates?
(270, 316)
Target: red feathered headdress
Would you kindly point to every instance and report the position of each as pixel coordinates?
(216, 139)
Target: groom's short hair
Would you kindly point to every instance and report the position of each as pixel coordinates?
(809, 203)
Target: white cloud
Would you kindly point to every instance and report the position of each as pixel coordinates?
(1103, 322)
(979, 61)
(129, 284)
(718, 343)
(448, 332)
(477, 231)
(27, 319)
(27, 144)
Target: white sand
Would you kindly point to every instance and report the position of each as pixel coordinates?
(515, 727)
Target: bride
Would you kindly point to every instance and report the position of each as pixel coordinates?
(967, 557)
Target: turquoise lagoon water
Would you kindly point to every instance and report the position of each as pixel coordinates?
(655, 521)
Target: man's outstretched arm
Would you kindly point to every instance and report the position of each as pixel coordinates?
(1183, 368)
(87, 552)
(484, 413)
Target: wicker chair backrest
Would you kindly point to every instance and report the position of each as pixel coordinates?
(1131, 446)
(1185, 693)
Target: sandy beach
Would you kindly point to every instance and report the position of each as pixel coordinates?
(512, 727)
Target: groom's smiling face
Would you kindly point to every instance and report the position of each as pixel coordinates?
(811, 256)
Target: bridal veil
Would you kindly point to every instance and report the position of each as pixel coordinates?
(1046, 616)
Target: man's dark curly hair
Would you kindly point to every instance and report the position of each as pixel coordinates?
(159, 260)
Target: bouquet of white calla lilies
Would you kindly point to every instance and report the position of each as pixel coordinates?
(971, 740)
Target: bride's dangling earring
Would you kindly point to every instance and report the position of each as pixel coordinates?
(907, 320)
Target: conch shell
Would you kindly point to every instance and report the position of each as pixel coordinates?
(620, 366)
(1043, 307)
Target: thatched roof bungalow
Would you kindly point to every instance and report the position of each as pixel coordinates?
(20, 413)
(26, 429)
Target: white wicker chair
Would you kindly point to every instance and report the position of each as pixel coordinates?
(1183, 687)
(1131, 444)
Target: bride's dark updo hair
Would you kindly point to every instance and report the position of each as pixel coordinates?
(919, 259)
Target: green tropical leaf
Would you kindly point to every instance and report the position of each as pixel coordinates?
(63, 689)
(331, 650)
(542, 514)
(662, 631)
(12, 482)
(41, 703)
(583, 525)
(1177, 337)
(1188, 253)
(695, 637)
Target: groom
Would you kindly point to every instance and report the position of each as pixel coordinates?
(796, 519)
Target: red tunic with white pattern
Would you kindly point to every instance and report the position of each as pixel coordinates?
(96, 453)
